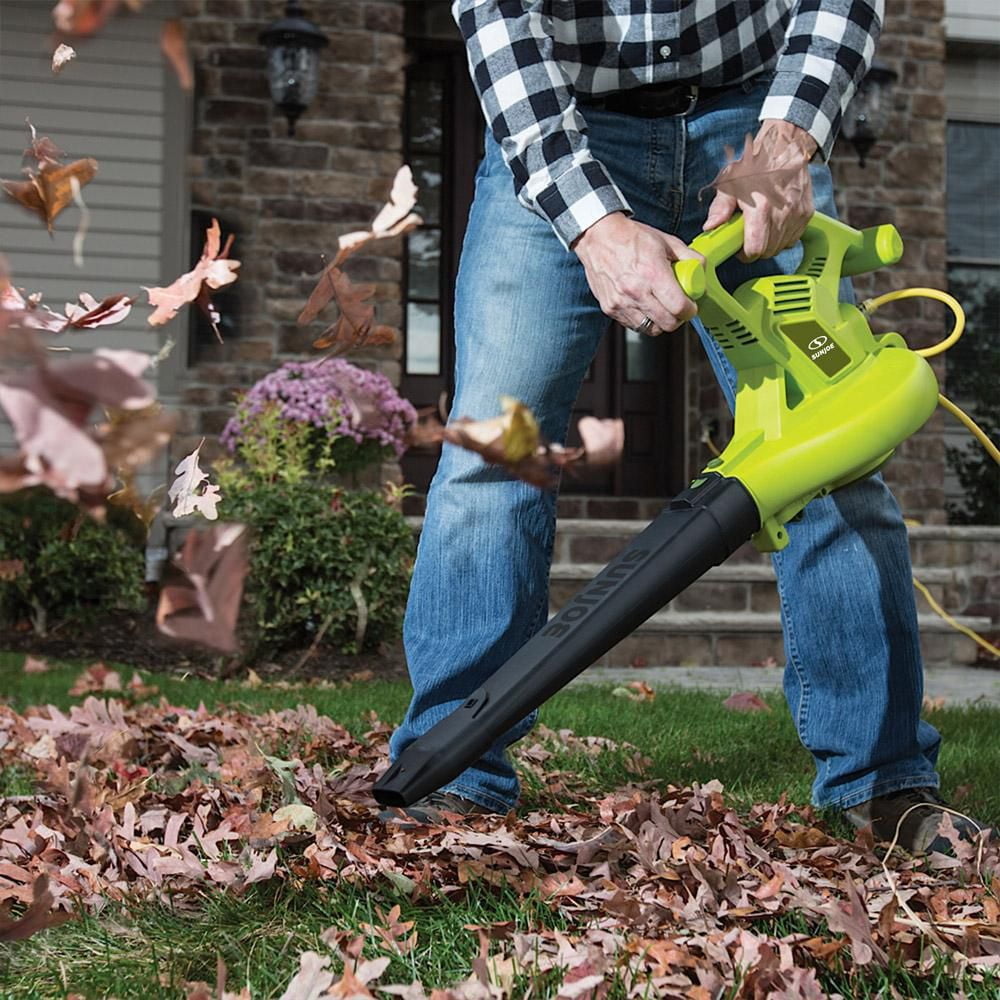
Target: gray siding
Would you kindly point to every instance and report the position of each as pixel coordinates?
(109, 103)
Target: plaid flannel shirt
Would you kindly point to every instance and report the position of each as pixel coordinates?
(529, 60)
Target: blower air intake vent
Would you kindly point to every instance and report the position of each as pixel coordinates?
(792, 295)
(740, 333)
(815, 269)
(734, 334)
(721, 337)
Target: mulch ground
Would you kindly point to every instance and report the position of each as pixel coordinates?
(132, 638)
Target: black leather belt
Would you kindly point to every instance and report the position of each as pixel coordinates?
(657, 100)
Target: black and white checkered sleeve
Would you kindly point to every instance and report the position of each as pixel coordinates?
(530, 107)
(829, 46)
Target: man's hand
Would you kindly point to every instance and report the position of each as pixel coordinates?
(628, 266)
(774, 216)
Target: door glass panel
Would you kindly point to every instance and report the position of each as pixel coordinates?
(423, 338)
(424, 256)
(424, 99)
(427, 177)
(640, 356)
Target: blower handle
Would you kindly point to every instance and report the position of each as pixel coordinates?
(830, 246)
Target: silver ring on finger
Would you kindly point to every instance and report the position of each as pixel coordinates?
(646, 327)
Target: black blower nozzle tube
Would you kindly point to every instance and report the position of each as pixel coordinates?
(700, 528)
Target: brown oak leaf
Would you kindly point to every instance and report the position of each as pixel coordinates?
(49, 407)
(38, 917)
(356, 323)
(213, 270)
(173, 45)
(82, 17)
(200, 600)
(746, 701)
(90, 313)
(746, 177)
(49, 190)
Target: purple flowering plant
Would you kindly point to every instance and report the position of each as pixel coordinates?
(318, 416)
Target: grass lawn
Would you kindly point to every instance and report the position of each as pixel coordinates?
(152, 948)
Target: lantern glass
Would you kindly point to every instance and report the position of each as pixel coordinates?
(293, 72)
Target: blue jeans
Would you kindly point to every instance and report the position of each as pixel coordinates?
(528, 326)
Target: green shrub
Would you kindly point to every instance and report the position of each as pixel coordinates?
(72, 568)
(321, 557)
(325, 561)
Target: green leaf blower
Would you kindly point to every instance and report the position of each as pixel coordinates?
(820, 402)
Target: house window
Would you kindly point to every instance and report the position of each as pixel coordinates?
(974, 279)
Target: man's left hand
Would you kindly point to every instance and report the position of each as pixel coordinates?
(774, 218)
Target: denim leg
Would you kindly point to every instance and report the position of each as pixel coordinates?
(854, 675)
(526, 326)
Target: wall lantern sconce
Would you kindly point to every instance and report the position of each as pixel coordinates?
(868, 113)
(293, 45)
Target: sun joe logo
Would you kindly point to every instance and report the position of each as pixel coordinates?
(819, 346)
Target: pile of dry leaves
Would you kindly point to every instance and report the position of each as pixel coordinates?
(666, 890)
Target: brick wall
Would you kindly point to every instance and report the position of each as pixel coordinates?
(903, 182)
(290, 197)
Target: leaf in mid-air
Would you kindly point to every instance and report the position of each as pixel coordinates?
(356, 323)
(213, 270)
(776, 174)
(190, 491)
(50, 190)
(61, 56)
(200, 601)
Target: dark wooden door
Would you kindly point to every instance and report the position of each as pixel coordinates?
(640, 380)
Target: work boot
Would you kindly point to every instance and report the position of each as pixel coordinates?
(919, 832)
(431, 810)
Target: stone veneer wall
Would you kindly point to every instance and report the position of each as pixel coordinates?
(903, 183)
(290, 197)
(293, 197)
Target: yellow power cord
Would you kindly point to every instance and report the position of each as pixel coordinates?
(870, 306)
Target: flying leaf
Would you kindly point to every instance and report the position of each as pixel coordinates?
(81, 230)
(393, 219)
(355, 324)
(35, 665)
(603, 440)
(746, 701)
(190, 491)
(61, 56)
(771, 169)
(49, 407)
(200, 600)
(82, 17)
(173, 45)
(131, 438)
(213, 270)
(49, 190)
(38, 917)
(90, 313)
(27, 312)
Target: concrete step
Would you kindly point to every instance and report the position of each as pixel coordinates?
(707, 638)
(732, 586)
(581, 540)
(730, 616)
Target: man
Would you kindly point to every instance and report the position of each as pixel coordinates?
(605, 122)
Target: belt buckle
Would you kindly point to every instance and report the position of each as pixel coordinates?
(692, 98)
